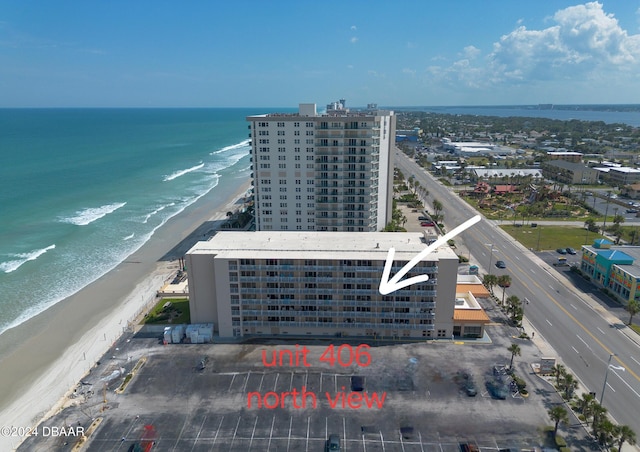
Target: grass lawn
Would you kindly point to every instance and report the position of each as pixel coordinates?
(551, 237)
(176, 312)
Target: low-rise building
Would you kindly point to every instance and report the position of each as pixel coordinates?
(320, 284)
(569, 172)
(567, 156)
(615, 268)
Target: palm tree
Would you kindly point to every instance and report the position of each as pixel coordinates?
(558, 414)
(437, 206)
(606, 432)
(586, 402)
(633, 307)
(624, 433)
(569, 385)
(504, 281)
(559, 371)
(598, 413)
(514, 349)
(490, 281)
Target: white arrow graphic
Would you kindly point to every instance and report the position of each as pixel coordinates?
(388, 286)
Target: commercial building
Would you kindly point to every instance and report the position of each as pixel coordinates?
(568, 172)
(615, 268)
(567, 156)
(313, 283)
(323, 172)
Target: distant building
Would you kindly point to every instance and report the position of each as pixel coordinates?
(568, 172)
(623, 176)
(323, 172)
(567, 156)
(323, 284)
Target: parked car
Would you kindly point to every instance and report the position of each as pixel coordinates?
(333, 443)
(470, 388)
(423, 218)
(570, 250)
(561, 251)
(427, 224)
(501, 264)
(632, 210)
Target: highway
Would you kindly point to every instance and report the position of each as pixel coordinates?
(581, 331)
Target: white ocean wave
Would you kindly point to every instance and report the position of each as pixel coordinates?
(89, 215)
(232, 147)
(129, 237)
(22, 258)
(182, 172)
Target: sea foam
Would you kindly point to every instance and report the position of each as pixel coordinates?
(182, 172)
(14, 264)
(232, 147)
(87, 216)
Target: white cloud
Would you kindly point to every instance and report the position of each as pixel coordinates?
(354, 28)
(409, 71)
(581, 48)
(353, 40)
(583, 41)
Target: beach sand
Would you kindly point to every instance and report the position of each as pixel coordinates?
(44, 358)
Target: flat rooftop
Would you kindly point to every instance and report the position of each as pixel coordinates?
(322, 245)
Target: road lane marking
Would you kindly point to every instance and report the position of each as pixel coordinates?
(628, 386)
(574, 307)
(582, 340)
(574, 349)
(551, 287)
(610, 387)
(550, 324)
(634, 360)
(600, 330)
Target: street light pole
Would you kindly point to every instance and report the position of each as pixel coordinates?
(490, 256)
(604, 386)
(606, 212)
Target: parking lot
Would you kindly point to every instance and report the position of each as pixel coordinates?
(420, 405)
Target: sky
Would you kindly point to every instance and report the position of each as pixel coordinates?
(243, 53)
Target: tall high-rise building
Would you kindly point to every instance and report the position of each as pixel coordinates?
(323, 172)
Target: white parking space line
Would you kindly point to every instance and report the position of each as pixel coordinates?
(199, 432)
(289, 438)
(273, 421)
(550, 324)
(235, 432)
(382, 441)
(291, 382)
(215, 438)
(600, 330)
(344, 433)
(420, 436)
(253, 432)
(276, 382)
(244, 387)
(320, 391)
(231, 384)
(261, 380)
(306, 379)
(308, 426)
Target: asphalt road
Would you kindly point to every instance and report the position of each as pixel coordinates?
(582, 332)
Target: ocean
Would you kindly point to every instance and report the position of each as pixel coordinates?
(81, 189)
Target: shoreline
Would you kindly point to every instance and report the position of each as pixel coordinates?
(44, 357)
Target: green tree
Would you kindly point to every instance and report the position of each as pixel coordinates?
(490, 281)
(598, 412)
(504, 281)
(624, 433)
(559, 372)
(514, 349)
(569, 385)
(591, 225)
(633, 307)
(585, 404)
(437, 206)
(558, 415)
